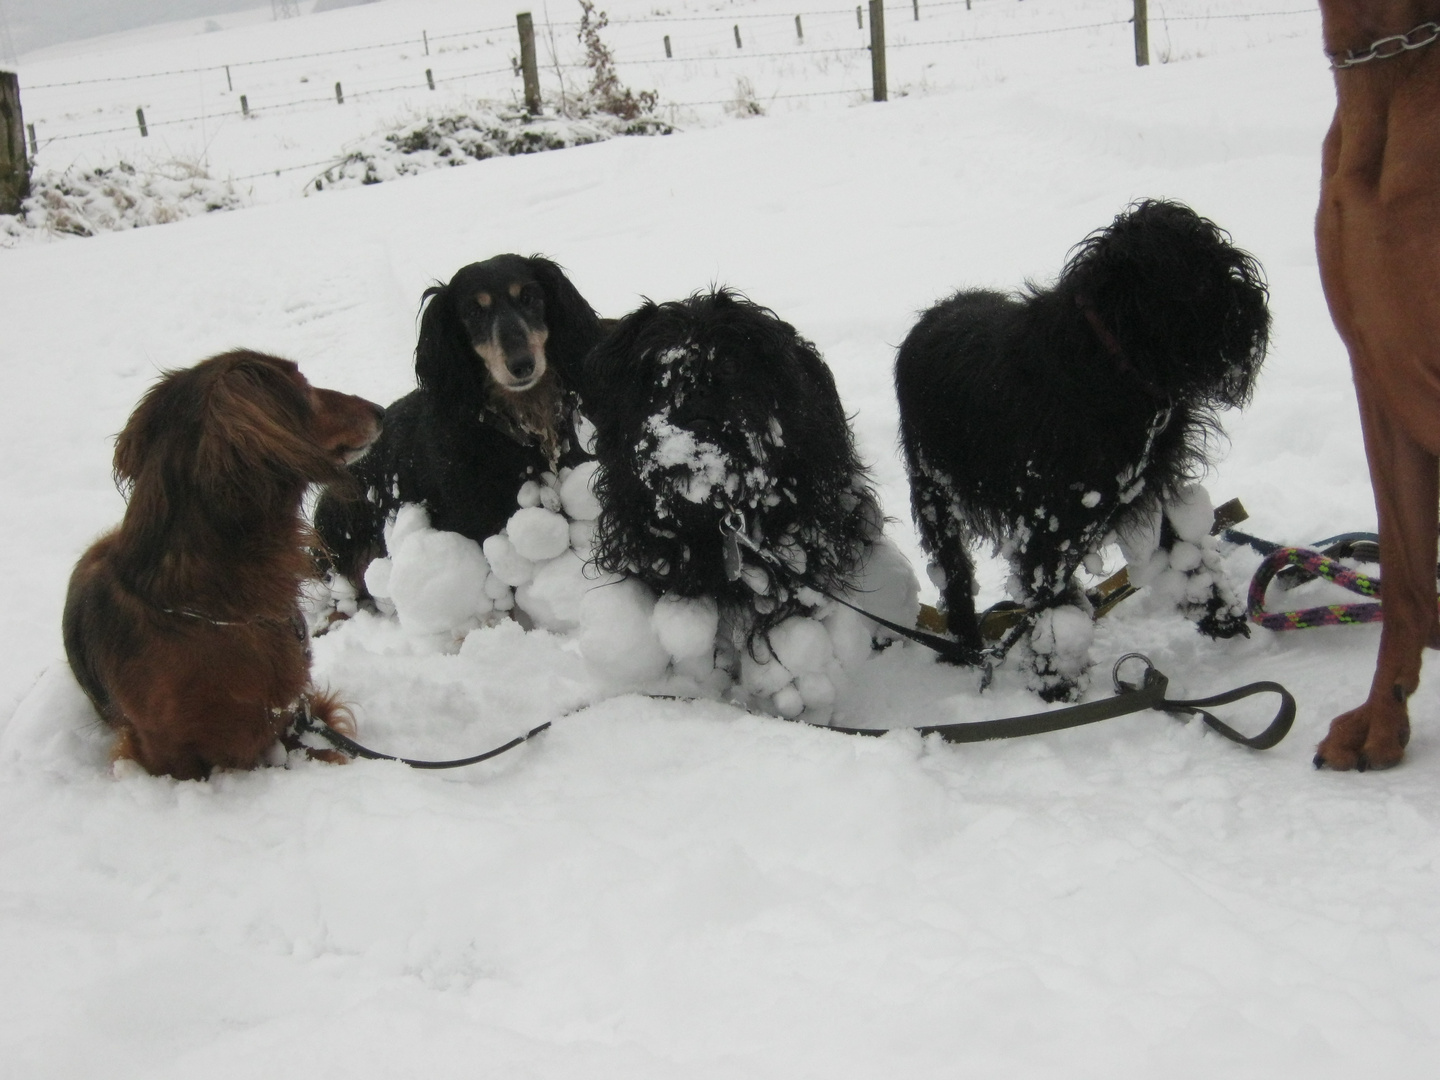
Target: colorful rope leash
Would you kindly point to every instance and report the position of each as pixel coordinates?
(1316, 564)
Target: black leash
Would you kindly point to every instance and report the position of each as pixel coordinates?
(1129, 698)
(306, 723)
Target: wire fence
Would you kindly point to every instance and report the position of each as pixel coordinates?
(700, 61)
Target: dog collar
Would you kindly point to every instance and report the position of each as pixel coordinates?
(1113, 347)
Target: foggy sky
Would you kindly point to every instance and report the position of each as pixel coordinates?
(36, 23)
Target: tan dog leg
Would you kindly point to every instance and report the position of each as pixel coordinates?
(1406, 479)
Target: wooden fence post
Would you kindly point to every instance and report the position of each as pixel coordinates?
(526, 26)
(430, 78)
(859, 19)
(1142, 35)
(799, 30)
(738, 43)
(244, 106)
(877, 49)
(339, 95)
(14, 166)
(140, 118)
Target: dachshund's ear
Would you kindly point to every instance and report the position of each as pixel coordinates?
(573, 325)
(442, 348)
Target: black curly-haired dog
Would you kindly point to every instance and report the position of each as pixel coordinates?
(1048, 421)
(727, 465)
(497, 365)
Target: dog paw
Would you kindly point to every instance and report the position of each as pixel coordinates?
(1370, 737)
(1219, 624)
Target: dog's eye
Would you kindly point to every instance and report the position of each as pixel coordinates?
(532, 298)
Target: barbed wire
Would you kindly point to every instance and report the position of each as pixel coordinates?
(270, 60)
(998, 37)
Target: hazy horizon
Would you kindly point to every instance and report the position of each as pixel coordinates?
(26, 25)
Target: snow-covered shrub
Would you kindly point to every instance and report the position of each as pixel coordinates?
(484, 131)
(115, 197)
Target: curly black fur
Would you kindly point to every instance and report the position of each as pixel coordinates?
(498, 368)
(1025, 419)
(709, 405)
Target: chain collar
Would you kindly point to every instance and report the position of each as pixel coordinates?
(1386, 47)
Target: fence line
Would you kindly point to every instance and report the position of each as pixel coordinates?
(249, 109)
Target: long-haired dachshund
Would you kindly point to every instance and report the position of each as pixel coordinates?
(1378, 238)
(1047, 421)
(497, 367)
(183, 625)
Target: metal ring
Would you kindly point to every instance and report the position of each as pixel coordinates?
(1122, 687)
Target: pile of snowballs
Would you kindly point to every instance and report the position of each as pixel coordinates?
(537, 569)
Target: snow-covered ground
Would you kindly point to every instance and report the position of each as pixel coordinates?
(669, 889)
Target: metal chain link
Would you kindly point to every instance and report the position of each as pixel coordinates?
(1386, 47)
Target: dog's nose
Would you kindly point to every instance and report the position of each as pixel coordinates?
(520, 367)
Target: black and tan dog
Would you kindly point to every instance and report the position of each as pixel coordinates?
(1048, 421)
(497, 364)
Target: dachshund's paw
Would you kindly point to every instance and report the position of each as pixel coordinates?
(1370, 737)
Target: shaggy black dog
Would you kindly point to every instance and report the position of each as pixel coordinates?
(727, 465)
(1048, 421)
(497, 363)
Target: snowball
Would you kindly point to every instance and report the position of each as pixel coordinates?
(552, 598)
(538, 534)
(496, 589)
(550, 492)
(410, 518)
(850, 635)
(1191, 513)
(1064, 634)
(1185, 557)
(788, 702)
(505, 562)
(577, 492)
(617, 634)
(377, 577)
(582, 538)
(762, 677)
(529, 494)
(686, 627)
(437, 582)
(817, 690)
(802, 644)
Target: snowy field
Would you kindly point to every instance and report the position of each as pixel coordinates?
(659, 889)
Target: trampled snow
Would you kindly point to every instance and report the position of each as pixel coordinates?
(668, 888)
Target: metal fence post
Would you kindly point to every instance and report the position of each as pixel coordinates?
(526, 26)
(877, 49)
(1142, 35)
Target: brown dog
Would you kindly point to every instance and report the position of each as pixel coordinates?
(1378, 237)
(183, 625)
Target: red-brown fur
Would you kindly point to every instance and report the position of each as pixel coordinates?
(1378, 238)
(182, 625)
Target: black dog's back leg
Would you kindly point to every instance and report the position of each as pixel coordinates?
(943, 538)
